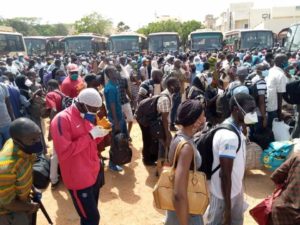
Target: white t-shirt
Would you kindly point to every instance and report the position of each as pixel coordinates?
(276, 83)
(225, 144)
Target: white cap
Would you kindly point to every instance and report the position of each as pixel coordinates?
(90, 97)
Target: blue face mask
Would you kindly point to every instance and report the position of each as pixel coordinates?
(265, 73)
(292, 72)
(62, 78)
(89, 116)
(285, 65)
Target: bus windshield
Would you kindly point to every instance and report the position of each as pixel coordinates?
(11, 43)
(35, 46)
(256, 39)
(293, 38)
(161, 43)
(124, 43)
(78, 45)
(206, 41)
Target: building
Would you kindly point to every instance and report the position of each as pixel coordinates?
(246, 16)
(210, 22)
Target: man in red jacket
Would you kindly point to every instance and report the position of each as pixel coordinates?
(75, 140)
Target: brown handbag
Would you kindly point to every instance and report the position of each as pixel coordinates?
(198, 194)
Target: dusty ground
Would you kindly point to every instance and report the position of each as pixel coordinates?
(126, 198)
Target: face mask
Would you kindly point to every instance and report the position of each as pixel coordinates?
(62, 78)
(89, 116)
(249, 118)
(209, 80)
(285, 65)
(30, 149)
(28, 83)
(74, 76)
(292, 72)
(265, 73)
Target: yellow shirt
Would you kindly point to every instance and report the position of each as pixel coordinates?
(15, 174)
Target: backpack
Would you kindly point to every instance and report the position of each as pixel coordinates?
(292, 93)
(120, 152)
(204, 143)
(66, 101)
(41, 172)
(222, 104)
(147, 111)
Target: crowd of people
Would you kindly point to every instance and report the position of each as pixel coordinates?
(189, 92)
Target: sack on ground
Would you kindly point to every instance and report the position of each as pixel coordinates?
(276, 154)
(41, 172)
(253, 156)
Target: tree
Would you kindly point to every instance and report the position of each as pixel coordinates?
(183, 28)
(22, 27)
(60, 29)
(188, 27)
(93, 23)
(122, 27)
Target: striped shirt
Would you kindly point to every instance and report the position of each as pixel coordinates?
(15, 175)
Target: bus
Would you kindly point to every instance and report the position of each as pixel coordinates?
(249, 39)
(39, 45)
(292, 43)
(163, 42)
(11, 42)
(127, 42)
(205, 40)
(83, 44)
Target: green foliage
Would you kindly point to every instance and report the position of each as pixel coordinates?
(122, 27)
(31, 27)
(93, 23)
(183, 28)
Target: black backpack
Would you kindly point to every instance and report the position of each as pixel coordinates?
(222, 104)
(292, 94)
(120, 152)
(66, 101)
(41, 172)
(204, 143)
(147, 111)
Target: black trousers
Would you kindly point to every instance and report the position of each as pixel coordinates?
(150, 145)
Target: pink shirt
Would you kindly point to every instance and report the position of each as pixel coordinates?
(72, 88)
(75, 148)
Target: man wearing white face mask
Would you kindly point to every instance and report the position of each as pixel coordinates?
(229, 150)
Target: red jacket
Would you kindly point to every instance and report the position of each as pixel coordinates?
(75, 148)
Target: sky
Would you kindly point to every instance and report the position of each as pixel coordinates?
(135, 13)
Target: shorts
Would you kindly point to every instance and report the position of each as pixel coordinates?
(127, 111)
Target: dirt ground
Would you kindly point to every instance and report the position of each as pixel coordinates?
(126, 198)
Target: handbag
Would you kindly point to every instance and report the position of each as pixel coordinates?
(262, 212)
(198, 195)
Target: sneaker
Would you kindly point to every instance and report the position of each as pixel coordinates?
(54, 185)
(173, 128)
(115, 168)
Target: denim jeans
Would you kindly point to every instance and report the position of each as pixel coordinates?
(176, 100)
(4, 135)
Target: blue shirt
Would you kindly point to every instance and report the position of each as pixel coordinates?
(112, 96)
(14, 97)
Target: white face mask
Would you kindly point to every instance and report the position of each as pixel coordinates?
(249, 118)
(209, 80)
(28, 83)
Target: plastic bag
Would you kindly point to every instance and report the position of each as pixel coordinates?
(281, 130)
